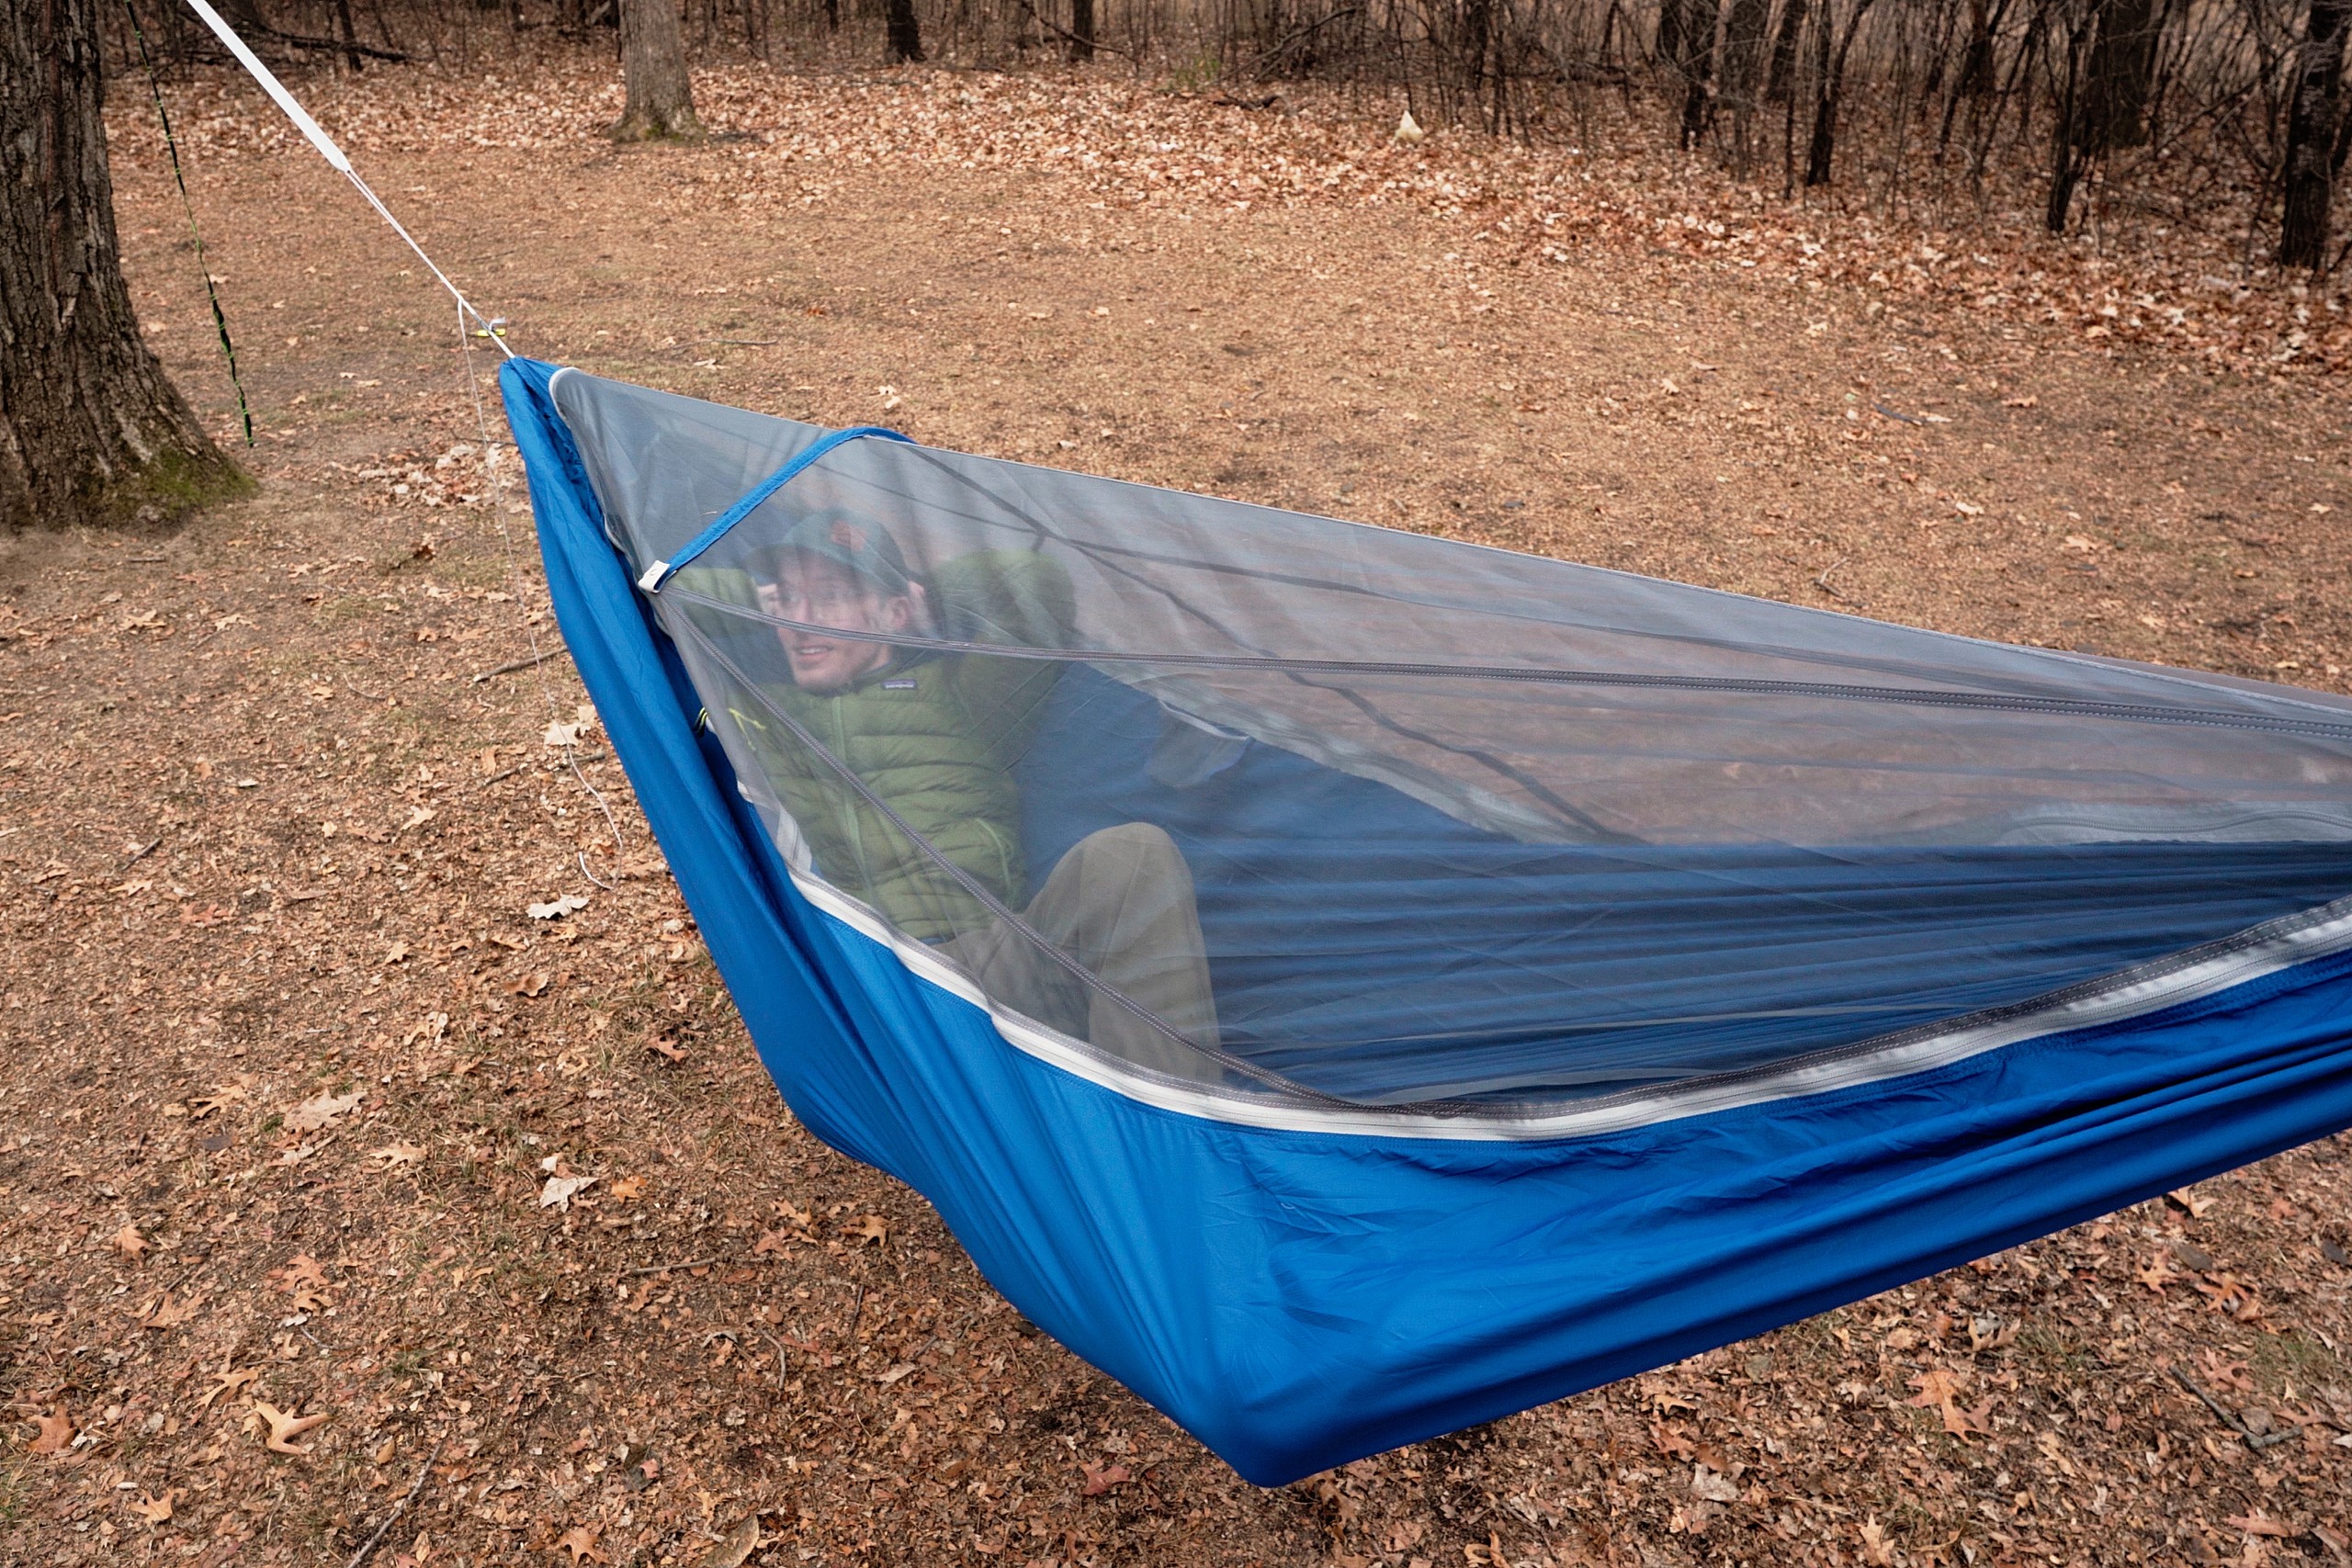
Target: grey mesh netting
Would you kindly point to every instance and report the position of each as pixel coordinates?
(1401, 821)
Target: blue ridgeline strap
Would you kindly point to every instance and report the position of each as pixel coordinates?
(659, 573)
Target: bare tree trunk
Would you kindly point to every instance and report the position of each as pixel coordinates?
(2312, 136)
(1081, 30)
(91, 429)
(1829, 83)
(2122, 69)
(1975, 78)
(903, 30)
(1697, 64)
(1779, 85)
(1742, 65)
(351, 55)
(654, 67)
(1744, 48)
(2067, 158)
(1672, 22)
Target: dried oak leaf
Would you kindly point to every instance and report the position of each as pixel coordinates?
(130, 1244)
(155, 1509)
(398, 1154)
(56, 1433)
(1101, 1478)
(1939, 1392)
(304, 1280)
(316, 1113)
(2255, 1524)
(735, 1547)
(2189, 1198)
(561, 1189)
(871, 1227)
(284, 1425)
(228, 1381)
(169, 1314)
(581, 1541)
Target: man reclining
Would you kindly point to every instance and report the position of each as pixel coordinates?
(934, 737)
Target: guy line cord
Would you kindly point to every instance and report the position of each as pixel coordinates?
(338, 160)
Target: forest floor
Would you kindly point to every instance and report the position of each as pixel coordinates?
(289, 1057)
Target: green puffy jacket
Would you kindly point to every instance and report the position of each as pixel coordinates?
(933, 735)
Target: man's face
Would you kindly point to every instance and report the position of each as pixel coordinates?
(822, 593)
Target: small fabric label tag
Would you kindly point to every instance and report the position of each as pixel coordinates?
(906, 686)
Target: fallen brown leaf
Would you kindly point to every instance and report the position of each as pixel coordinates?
(169, 1314)
(56, 1432)
(284, 1425)
(581, 1541)
(1101, 1478)
(315, 1113)
(2254, 1524)
(2189, 1198)
(735, 1546)
(227, 1380)
(155, 1509)
(130, 1244)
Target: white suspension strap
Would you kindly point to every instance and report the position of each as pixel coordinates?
(336, 159)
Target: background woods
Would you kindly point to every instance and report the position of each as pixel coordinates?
(2100, 116)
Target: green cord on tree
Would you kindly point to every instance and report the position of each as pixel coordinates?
(171, 145)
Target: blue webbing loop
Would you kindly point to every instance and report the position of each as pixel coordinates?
(656, 574)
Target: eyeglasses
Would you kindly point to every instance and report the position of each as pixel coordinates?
(827, 601)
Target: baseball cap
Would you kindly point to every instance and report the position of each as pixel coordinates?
(856, 544)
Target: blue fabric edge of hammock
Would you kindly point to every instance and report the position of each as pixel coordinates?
(1299, 1299)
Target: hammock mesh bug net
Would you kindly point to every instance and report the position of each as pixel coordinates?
(1291, 806)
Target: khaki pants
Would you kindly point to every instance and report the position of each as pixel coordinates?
(1121, 904)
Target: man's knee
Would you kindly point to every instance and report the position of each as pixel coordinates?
(1131, 840)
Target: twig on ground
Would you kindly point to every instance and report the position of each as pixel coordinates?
(2256, 1440)
(368, 1547)
(747, 341)
(500, 778)
(141, 852)
(674, 1268)
(1821, 581)
(779, 1358)
(1882, 408)
(533, 661)
(856, 1312)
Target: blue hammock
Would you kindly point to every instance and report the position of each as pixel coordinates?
(1545, 973)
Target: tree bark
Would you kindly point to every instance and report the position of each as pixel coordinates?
(2314, 138)
(2114, 110)
(653, 68)
(91, 429)
(2066, 140)
(1697, 65)
(903, 30)
(1081, 30)
(1830, 78)
(1744, 49)
(1673, 19)
(1780, 83)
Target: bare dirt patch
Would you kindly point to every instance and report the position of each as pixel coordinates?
(271, 846)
